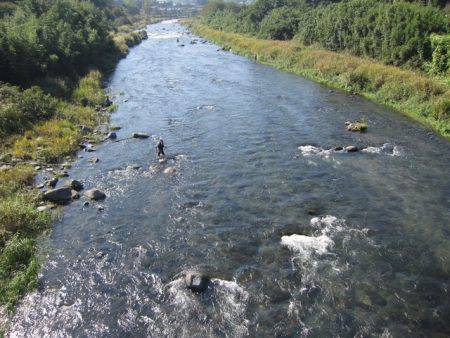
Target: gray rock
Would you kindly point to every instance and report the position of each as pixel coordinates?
(94, 160)
(59, 195)
(94, 194)
(351, 149)
(338, 149)
(112, 135)
(134, 167)
(52, 182)
(75, 185)
(75, 195)
(196, 281)
(140, 135)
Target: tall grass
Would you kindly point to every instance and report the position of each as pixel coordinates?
(19, 223)
(423, 98)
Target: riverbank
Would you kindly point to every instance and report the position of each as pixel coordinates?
(423, 98)
(41, 130)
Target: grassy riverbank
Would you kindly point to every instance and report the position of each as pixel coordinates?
(421, 97)
(40, 128)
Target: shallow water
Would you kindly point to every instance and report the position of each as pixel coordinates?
(250, 146)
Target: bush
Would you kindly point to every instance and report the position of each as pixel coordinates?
(49, 141)
(18, 269)
(20, 109)
(19, 214)
(441, 53)
(280, 24)
(89, 91)
(14, 179)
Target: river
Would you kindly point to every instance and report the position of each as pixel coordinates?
(300, 240)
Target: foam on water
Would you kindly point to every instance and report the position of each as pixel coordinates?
(386, 148)
(305, 245)
(320, 243)
(224, 304)
(309, 150)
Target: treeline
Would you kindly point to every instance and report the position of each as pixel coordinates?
(52, 38)
(401, 33)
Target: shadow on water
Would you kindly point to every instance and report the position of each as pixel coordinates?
(300, 240)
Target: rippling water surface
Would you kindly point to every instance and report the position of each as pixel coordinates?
(299, 240)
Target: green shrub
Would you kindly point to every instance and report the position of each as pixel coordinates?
(89, 91)
(19, 214)
(441, 53)
(18, 269)
(280, 24)
(20, 109)
(15, 179)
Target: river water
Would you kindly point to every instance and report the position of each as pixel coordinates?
(299, 240)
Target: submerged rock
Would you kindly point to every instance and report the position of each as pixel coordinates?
(169, 170)
(58, 195)
(196, 281)
(95, 194)
(140, 135)
(133, 167)
(94, 160)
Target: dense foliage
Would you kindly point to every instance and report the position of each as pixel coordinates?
(66, 36)
(397, 33)
(18, 110)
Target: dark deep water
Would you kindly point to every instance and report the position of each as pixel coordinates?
(373, 261)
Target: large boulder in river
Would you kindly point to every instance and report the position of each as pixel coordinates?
(140, 135)
(94, 194)
(59, 195)
(196, 281)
